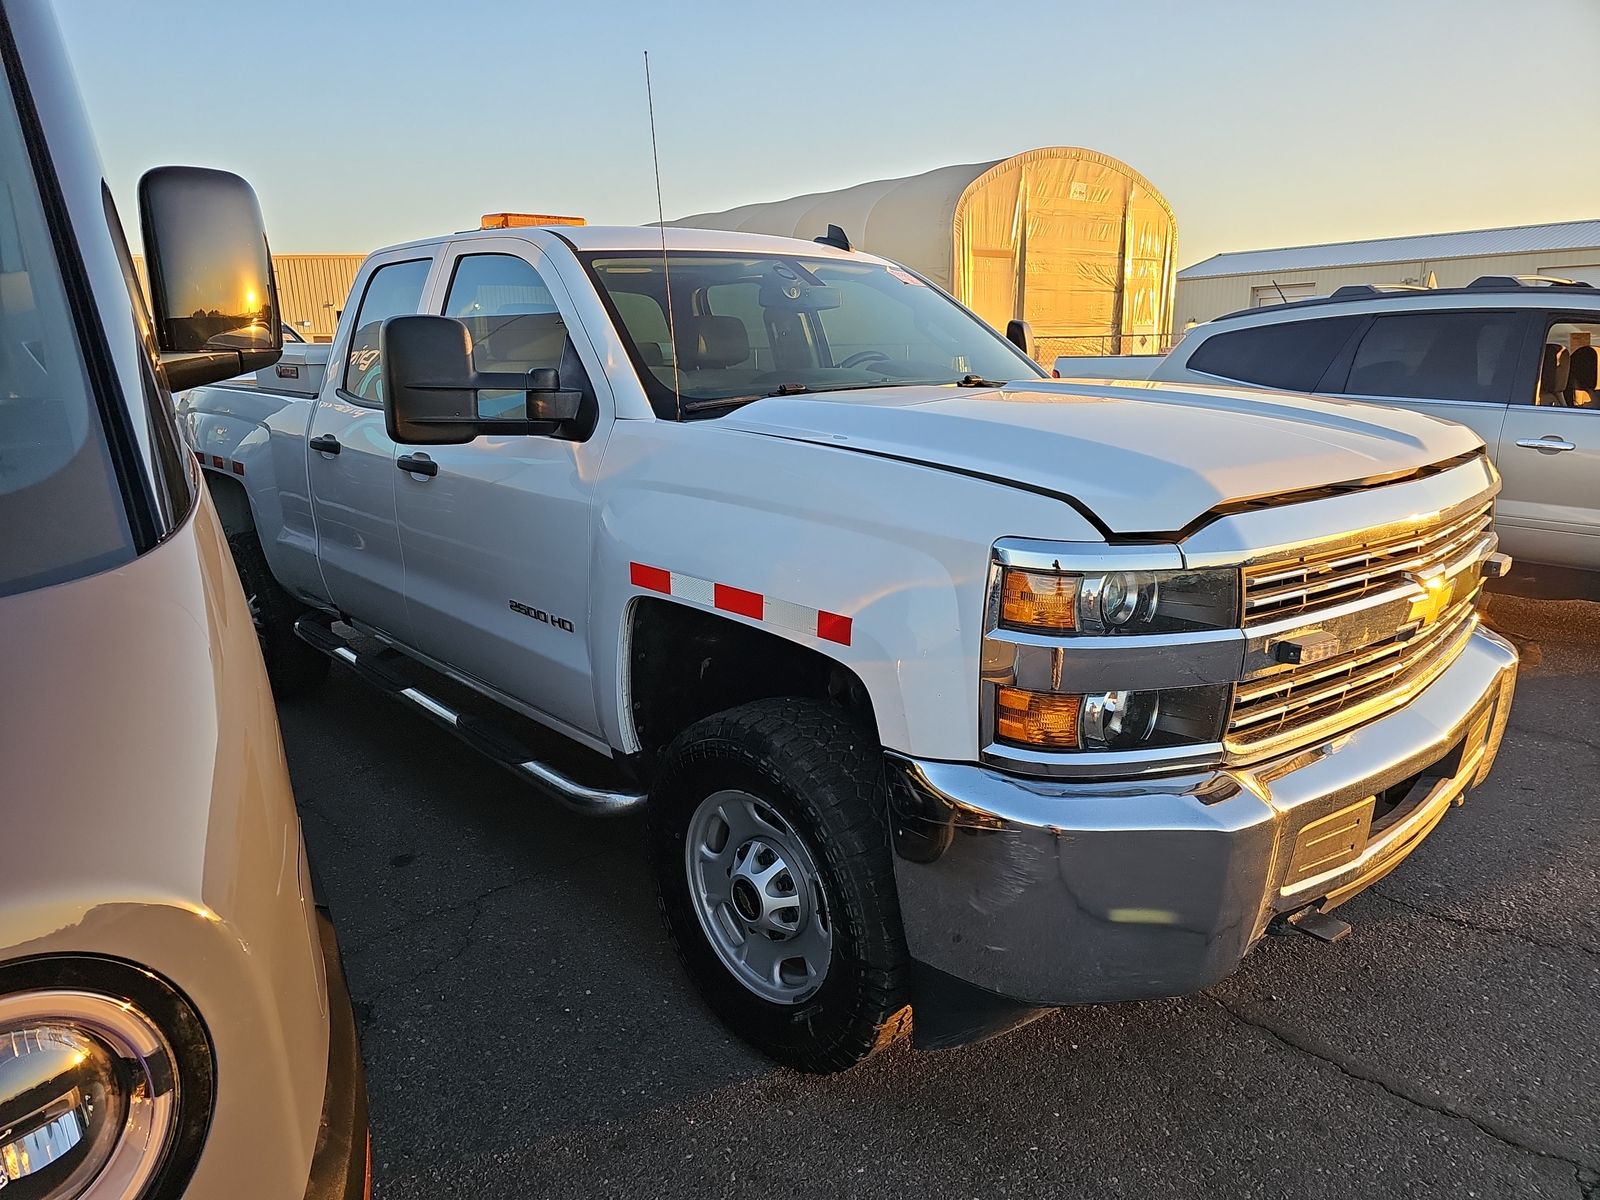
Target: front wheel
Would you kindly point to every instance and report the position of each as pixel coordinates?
(770, 845)
(293, 667)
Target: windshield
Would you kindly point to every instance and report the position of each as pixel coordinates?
(757, 325)
(61, 512)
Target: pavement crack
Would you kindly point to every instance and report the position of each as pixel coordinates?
(1397, 1087)
(441, 910)
(1479, 927)
(455, 906)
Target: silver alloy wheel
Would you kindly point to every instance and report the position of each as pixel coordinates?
(759, 896)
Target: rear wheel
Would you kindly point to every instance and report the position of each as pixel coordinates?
(294, 667)
(770, 846)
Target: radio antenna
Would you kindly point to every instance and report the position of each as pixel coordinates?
(661, 222)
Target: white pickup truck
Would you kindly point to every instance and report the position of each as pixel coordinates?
(942, 694)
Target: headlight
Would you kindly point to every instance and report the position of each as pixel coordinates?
(1118, 602)
(91, 1094)
(1116, 720)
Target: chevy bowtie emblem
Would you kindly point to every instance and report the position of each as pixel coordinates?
(1437, 592)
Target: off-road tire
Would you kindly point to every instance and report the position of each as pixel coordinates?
(293, 667)
(824, 775)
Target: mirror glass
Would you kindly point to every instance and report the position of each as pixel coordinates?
(211, 278)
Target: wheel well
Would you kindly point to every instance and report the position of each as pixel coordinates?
(685, 664)
(232, 503)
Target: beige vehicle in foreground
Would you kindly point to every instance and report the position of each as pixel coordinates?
(173, 1016)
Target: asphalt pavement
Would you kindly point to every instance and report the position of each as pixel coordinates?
(529, 1033)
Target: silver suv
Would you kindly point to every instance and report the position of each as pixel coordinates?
(1513, 357)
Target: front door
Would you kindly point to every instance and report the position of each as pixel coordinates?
(497, 540)
(351, 460)
(1550, 453)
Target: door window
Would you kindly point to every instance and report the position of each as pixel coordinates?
(1569, 371)
(1290, 354)
(393, 290)
(1438, 356)
(515, 325)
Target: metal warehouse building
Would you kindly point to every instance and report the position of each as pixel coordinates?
(1075, 242)
(1253, 278)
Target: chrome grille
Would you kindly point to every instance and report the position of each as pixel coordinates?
(1293, 705)
(1303, 699)
(1319, 579)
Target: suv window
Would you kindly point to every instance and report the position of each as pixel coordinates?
(393, 290)
(1438, 356)
(515, 325)
(1292, 354)
(1569, 371)
(61, 508)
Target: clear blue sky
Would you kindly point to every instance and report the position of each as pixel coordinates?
(1265, 123)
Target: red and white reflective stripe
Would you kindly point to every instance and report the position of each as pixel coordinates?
(220, 463)
(831, 627)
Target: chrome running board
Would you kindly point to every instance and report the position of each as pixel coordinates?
(486, 736)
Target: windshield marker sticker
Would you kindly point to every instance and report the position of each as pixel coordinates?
(906, 277)
(830, 627)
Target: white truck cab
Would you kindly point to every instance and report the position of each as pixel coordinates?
(944, 687)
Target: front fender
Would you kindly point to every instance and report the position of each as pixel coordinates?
(879, 565)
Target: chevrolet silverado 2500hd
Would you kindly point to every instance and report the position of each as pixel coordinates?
(940, 693)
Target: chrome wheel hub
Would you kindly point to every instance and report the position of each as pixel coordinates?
(758, 896)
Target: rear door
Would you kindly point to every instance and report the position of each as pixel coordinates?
(497, 538)
(351, 457)
(1550, 452)
(1461, 365)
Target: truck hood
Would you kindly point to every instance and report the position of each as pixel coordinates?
(1142, 457)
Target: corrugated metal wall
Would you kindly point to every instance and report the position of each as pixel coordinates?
(1202, 300)
(311, 288)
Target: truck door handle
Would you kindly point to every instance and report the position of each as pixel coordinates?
(420, 464)
(325, 442)
(1550, 444)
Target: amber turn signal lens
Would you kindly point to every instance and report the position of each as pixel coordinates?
(1042, 720)
(1038, 600)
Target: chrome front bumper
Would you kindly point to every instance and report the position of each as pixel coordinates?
(1050, 892)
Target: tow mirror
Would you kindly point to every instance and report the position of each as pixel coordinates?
(430, 387)
(1020, 335)
(211, 281)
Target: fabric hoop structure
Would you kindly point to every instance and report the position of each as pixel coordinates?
(1076, 243)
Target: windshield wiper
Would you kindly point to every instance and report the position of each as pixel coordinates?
(715, 402)
(978, 381)
(788, 389)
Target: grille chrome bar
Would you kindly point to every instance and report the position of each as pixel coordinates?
(1282, 707)
(1302, 696)
(1284, 589)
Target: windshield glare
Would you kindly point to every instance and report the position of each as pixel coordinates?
(749, 325)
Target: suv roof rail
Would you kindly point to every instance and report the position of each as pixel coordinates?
(1485, 283)
(1357, 291)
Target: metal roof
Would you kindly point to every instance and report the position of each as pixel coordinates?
(1471, 243)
